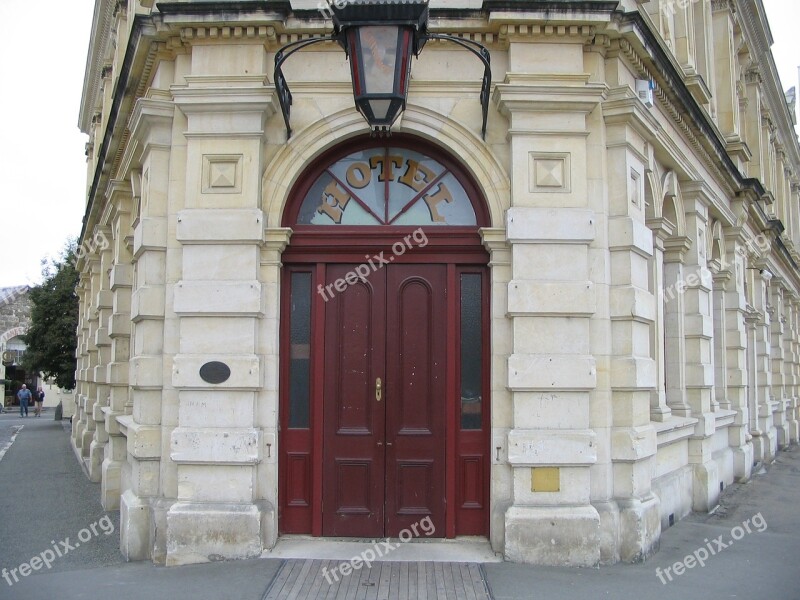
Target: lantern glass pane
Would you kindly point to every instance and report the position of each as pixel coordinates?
(378, 58)
(380, 108)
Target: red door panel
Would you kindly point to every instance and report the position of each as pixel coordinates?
(415, 396)
(354, 424)
(384, 465)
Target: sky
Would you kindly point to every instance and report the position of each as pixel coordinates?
(42, 161)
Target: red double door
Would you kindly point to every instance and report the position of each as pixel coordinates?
(384, 389)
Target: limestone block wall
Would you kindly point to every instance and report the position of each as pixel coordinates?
(219, 301)
(551, 299)
(645, 315)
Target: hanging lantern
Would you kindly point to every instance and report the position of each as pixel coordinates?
(380, 37)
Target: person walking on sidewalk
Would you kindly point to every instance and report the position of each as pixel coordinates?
(39, 398)
(24, 396)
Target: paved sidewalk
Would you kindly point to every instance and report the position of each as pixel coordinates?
(758, 565)
(46, 498)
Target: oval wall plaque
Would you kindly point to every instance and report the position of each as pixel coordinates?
(215, 372)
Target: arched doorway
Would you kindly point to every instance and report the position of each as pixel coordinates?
(384, 385)
(12, 374)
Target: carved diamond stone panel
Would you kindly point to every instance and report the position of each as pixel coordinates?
(222, 174)
(549, 172)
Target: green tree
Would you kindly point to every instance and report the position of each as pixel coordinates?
(51, 339)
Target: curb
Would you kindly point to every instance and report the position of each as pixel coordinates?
(17, 429)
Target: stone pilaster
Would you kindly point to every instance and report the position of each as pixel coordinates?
(737, 352)
(551, 300)
(629, 371)
(754, 433)
(752, 121)
(495, 241)
(726, 68)
(675, 249)
(780, 417)
(721, 279)
(685, 46)
(220, 302)
(659, 409)
(119, 329)
(82, 355)
(699, 331)
(793, 357)
(85, 427)
(103, 303)
(765, 438)
(151, 127)
(267, 399)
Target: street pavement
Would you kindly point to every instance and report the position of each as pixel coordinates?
(47, 504)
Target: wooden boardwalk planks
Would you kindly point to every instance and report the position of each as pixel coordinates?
(304, 579)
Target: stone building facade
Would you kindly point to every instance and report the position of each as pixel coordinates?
(15, 318)
(562, 338)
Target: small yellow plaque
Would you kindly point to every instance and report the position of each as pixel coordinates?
(545, 479)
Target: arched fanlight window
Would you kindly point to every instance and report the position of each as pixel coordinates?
(387, 185)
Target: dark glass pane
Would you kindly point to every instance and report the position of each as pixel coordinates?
(300, 350)
(471, 353)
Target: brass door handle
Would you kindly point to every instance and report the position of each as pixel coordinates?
(378, 389)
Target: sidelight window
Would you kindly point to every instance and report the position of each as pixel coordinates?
(471, 351)
(299, 350)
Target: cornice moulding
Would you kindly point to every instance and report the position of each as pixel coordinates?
(151, 121)
(644, 49)
(95, 61)
(756, 29)
(224, 99)
(510, 97)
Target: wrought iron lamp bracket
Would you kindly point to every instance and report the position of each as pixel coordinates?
(478, 50)
(285, 95)
(281, 87)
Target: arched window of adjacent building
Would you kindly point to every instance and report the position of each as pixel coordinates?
(666, 219)
(722, 283)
